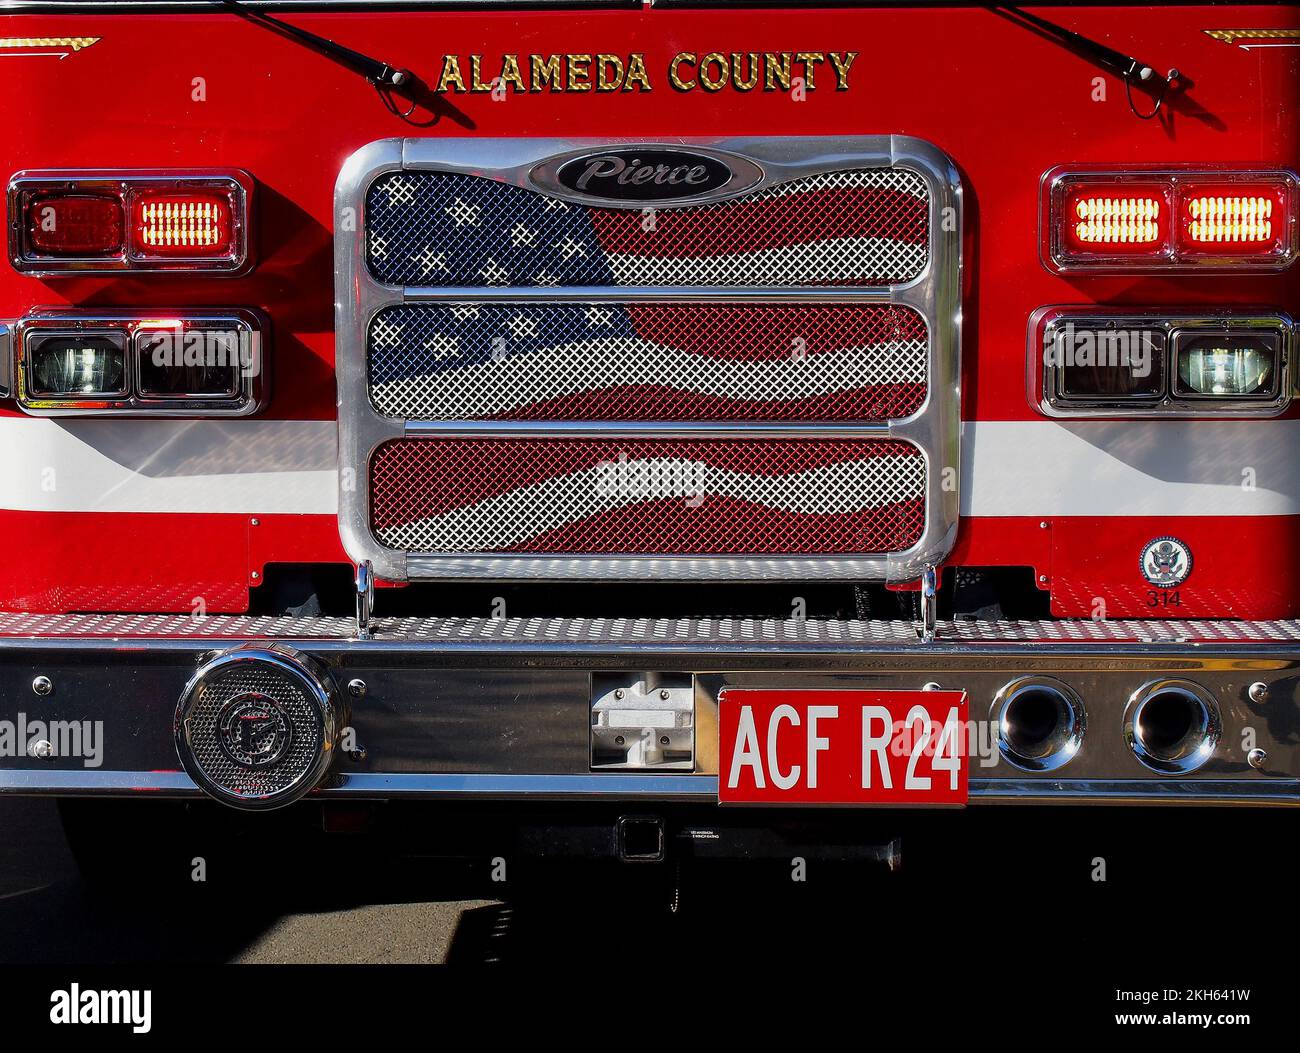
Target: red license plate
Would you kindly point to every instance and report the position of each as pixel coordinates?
(842, 747)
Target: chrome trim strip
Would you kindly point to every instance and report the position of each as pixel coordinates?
(85, 780)
(935, 293)
(611, 785)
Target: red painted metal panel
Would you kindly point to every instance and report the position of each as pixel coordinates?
(161, 90)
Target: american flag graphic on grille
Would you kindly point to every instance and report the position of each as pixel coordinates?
(606, 496)
(647, 361)
(857, 227)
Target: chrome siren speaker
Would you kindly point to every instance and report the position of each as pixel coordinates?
(257, 727)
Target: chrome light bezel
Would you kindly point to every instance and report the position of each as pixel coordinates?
(1044, 379)
(1058, 259)
(122, 183)
(247, 400)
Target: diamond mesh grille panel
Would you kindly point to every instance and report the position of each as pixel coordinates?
(248, 678)
(858, 227)
(647, 361)
(647, 497)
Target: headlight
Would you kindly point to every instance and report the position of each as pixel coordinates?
(76, 364)
(1227, 364)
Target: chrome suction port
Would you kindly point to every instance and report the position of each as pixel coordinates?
(1172, 726)
(1040, 722)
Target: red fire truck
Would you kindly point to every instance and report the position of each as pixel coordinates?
(649, 405)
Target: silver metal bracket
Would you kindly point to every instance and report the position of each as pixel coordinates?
(643, 721)
(929, 604)
(365, 581)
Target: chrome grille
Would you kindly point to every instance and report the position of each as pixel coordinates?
(646, 497)
(647, 361)
(500, 339)
(855, 227)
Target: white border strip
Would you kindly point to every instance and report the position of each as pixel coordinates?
(1130, 468)
(1009, 468)
(103, 465)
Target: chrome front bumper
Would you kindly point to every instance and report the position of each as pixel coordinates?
(501, 708)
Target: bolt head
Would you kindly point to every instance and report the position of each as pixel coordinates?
(1257, 692)
(357, 755)
(664, 694)
(43, 685)
(618, 692)
(356, 688)
(618, 740)
(1256, 758)
(42, 749)
(663, 740)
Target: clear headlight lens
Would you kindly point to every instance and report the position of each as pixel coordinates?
(1228, 365)
(75, 364)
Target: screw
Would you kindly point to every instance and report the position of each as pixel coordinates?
(618, 740)
(664, 694)
(255, 575)
(618, 692)
(356, 688)
(254, 522)
(43, 685)
(1257, 692)
(1042, 525)
(357, 755)
(1042, 578)
(930, 686)
(42, 748)
(1256, 758)
(663, 740)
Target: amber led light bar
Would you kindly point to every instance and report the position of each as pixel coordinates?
(86, 222)
(1133, 221)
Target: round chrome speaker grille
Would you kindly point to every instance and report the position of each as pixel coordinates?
(257, 727)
